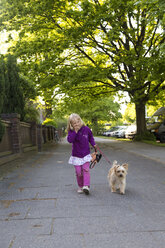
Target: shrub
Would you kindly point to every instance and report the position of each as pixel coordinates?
(50, 122)
(145, 136)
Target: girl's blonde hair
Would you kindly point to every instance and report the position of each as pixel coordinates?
(71, 118)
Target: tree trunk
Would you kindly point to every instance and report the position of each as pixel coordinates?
(94, 126)
(140, 118)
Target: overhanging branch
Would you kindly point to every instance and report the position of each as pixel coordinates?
(86, 55)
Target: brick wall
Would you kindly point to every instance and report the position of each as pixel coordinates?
(21, 137)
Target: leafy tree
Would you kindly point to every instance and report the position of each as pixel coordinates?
(95, 112)
(129, 114)
(17, 90)
(31, 108)
(2, 82)
(32, 112)
(13, 102)
(93, 46)
(28, 88)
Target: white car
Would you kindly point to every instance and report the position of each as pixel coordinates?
(121, 132)
(130, 132)
(109, 132)
(114, 133)
(106, 133)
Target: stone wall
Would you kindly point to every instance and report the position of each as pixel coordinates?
(22, 137)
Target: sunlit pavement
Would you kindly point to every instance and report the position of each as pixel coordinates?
(40, 208)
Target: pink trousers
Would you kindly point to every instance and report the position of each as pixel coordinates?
(83, 175)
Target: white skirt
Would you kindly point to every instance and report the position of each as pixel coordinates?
(79, 161)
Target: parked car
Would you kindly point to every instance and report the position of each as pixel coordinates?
(120, 133)
(110, 131)
(130, 132)
(114, 133)
(106, 133)
(156, 124)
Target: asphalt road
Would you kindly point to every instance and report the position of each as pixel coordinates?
(40, 208)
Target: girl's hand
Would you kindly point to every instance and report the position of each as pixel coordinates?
(76, 129)
(76, 125)
(71, 128)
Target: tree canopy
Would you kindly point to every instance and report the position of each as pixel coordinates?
(16, 90)
(12, 95)
(2, 82)
(91, 46)
(95, 112)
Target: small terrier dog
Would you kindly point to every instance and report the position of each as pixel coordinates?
(117, 177)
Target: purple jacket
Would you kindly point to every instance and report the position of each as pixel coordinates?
(80, 141)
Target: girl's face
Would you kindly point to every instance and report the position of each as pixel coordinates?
(76, 123)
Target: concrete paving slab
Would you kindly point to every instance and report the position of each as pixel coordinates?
(29, 227)
(122, 240)
(50, 241)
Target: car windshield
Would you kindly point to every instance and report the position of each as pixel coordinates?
(113, 129)
(155, 119)
(123, 128)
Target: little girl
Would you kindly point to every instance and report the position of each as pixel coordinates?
(80, 136)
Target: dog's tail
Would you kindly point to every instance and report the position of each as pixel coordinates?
(114, 163)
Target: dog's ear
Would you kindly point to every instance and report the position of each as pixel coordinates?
(125, 166)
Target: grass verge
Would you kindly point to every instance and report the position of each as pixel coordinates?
(156, 143)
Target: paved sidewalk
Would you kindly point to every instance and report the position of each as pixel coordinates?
(40, 208)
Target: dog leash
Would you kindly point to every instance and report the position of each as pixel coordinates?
(109, 162)
(98, 157)
(93, 163)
